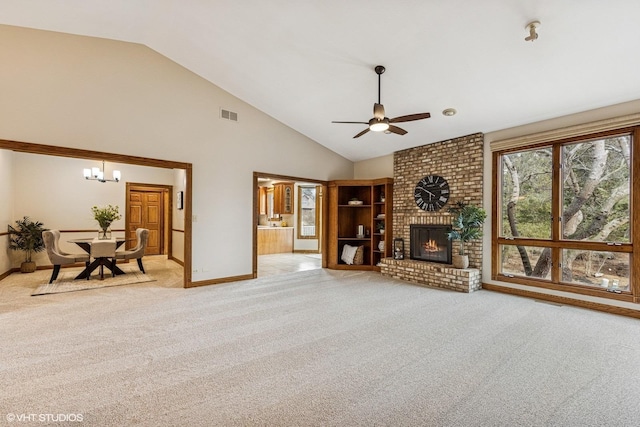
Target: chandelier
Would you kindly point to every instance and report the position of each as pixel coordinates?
(97, 174)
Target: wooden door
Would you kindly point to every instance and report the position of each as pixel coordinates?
(146, 211)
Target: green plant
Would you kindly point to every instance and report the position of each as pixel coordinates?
(105, 216)
(380, 226)
(467, 223)
(26, 236)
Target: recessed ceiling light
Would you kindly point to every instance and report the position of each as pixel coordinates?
(449, 112)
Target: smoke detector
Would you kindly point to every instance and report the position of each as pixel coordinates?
(531, 27)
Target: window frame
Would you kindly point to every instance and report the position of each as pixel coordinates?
(557, 243)
(299, 212)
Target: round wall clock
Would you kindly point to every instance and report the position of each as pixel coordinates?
(431, 193)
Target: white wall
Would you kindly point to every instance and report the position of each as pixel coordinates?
(6, 207)
(105, 95)
(52, 190)
(378, 167)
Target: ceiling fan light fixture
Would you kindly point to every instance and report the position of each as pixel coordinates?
(378, 125)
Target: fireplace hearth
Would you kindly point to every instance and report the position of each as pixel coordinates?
(430, 243)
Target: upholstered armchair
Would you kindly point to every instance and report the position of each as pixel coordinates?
(58, 259)
(142, 236)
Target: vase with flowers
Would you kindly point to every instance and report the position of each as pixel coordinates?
(105, 216)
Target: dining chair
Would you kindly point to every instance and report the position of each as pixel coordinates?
(57, 258)
(105, 252)
(56, 235)
(142, 237)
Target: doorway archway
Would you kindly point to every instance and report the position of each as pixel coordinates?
(51, 150)
(256, 209)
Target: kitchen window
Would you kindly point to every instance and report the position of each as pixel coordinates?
(307, 212)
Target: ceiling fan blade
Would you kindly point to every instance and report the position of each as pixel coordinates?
(361, 133)
(358, 123)
(410, 118)
(396, 129)
(378, 111)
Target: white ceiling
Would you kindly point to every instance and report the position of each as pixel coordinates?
(308, 62)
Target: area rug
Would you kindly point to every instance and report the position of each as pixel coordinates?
(66, 283)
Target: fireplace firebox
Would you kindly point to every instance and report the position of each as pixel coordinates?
(430, 243)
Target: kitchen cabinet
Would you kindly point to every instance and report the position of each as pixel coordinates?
(262, 200)
(275, 240)
(283, 198)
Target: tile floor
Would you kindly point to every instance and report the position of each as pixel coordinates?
(271, 265)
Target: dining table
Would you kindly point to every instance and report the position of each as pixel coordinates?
(85, 244)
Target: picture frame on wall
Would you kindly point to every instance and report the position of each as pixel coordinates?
(180, 200)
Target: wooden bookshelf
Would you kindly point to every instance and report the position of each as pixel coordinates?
(354, 203)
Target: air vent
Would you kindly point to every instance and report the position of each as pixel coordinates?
(229, 115)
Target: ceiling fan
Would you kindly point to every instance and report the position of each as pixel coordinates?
(381, 123)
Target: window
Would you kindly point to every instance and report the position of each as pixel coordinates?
(564, 211)
(270, 201)
(307, 212)
(526, 193)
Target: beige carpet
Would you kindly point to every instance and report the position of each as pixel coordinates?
(66, 283)
(314, 348)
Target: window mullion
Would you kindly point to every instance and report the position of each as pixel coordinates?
(556, 212)
(635, 215)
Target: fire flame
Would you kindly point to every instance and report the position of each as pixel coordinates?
(431, 246)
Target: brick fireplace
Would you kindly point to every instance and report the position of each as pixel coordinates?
(461, 162)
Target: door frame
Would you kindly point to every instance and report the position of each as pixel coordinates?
(322, 244)
(76, 153)
(167, 212)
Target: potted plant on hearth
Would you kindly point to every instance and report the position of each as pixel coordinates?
(26, 236)
(467, 225)
(105, 216)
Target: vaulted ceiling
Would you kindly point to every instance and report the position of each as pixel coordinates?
(308, 62)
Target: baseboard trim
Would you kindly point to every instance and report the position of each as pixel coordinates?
(220, 280)
(176, 260)
(39, 267)
(622, 311)
(306, 251)
(9, 273)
